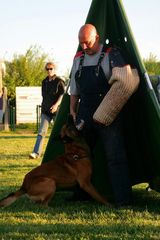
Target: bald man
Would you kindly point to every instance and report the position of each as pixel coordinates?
(91, 70)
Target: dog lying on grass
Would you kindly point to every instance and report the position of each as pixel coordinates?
(74, 166)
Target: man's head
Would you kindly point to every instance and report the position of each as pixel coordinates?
(89, 39)
(50, 68)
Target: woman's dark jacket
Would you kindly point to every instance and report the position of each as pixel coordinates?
(51, 91)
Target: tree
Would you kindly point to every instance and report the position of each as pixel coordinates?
(25, 70)
(152, 65)
(153, 68)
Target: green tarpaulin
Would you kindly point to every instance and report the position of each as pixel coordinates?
(141, 113)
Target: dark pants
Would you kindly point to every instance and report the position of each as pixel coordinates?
(116, 160)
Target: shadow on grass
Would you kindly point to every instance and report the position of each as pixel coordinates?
(73, 221)
(22, 136)
(142, 202)
(19, 156)
(145, 200)
(80, 231)
(58, 205)
(13, 167)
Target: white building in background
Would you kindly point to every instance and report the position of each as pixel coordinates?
(27, 99)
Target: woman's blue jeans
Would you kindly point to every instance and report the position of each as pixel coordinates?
(45, 121)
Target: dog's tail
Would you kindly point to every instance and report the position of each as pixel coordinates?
(12, 197)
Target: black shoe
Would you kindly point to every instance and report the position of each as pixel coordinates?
(127, 205)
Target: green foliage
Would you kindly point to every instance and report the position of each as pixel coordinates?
(25, 70)
(152, 65)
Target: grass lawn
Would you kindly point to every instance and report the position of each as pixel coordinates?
(61, 221)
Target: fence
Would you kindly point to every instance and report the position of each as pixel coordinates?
(12, 117)
(38, 115)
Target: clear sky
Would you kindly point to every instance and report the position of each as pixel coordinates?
(53, 25)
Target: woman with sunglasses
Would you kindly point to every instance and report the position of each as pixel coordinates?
(52, 92)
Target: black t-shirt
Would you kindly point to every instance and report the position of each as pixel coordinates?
(51, 91)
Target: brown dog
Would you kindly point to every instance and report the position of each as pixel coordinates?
(65, 171)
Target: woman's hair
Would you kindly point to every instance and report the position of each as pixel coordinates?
(50, 64)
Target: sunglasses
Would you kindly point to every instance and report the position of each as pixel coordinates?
(47, 69)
